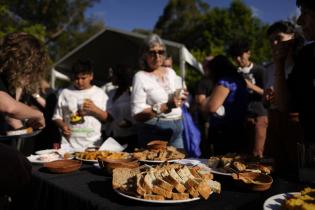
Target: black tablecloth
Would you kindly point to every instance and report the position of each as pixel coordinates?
(89, 188)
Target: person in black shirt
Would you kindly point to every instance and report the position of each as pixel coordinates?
(302, 79)
(299, 89)
(257, 114)
(22, 63)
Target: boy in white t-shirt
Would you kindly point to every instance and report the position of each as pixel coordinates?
(81, 109)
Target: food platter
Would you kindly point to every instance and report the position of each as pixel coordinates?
(157, 161)
(87, 160)
(275, 202)
(93, 156)
(155, 201)
(231, 163)
(27, 135)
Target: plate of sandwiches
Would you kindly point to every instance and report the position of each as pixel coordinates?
(232, 163)
(158, 161)
(165, 183)
(20, 133)
(159, 155)
(157, 198)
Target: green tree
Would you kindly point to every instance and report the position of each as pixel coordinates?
(56, 16)
(179, 18)
(9, 22)
(204, 29)
(247, 27)
(74, 36)
(60, 24)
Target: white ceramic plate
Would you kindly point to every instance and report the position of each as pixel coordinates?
(34, 159)
(157, 161)
(188, 162)
(45, 151)
(155, 201)
(27, 135)
(274, 202)
(216, 171)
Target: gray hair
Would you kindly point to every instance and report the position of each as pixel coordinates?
(149, 42)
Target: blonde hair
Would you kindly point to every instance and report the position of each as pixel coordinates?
(22, 56)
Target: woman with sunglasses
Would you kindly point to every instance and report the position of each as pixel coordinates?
(156, 97)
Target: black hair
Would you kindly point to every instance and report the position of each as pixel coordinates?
(288, 28)
(281, 26)
(310, 4)
(123, 75)
(237, 48)
(221, 66)
(82, 67)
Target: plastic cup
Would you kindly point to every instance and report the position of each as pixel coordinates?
(179, 93)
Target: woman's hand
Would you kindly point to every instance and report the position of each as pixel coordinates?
(178, 98)
(37, 122)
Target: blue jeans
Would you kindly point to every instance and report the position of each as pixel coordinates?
(160, 129)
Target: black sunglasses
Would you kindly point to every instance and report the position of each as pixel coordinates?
(155, 52)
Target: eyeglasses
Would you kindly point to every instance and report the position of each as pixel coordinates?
(156, 52)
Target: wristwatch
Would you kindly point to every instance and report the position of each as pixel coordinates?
(157, 108)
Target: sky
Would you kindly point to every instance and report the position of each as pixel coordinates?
(130, 14)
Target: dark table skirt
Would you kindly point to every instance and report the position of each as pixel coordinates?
(89, 188)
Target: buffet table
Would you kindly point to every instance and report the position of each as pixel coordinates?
(89, 188)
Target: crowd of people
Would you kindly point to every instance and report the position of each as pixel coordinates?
(241, 107)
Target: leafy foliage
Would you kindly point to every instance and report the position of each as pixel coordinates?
(179, 19)
(10, 23)
(60, 24)
(206, 30)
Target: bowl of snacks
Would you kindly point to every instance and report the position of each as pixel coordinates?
(253, 181)
(108, 165)
(63, 166)
(157, 144)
